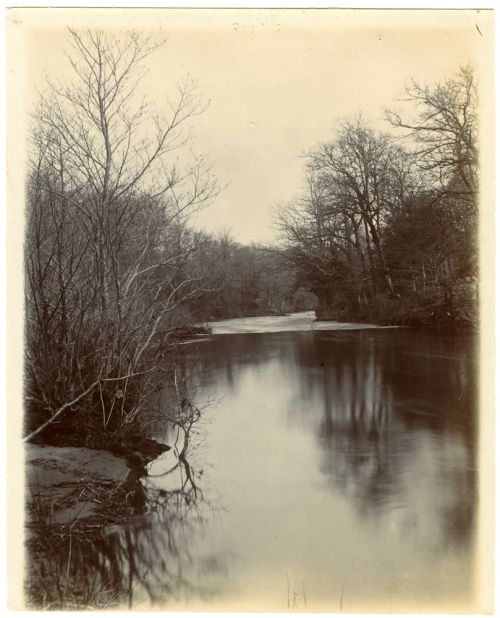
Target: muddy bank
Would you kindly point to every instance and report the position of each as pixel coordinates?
(75, 497)
(64, 483)
(89, 540)
(72, 482)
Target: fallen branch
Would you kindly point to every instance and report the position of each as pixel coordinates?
(60, 411)
(76, 400)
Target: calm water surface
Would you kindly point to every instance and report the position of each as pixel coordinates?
(329, 470)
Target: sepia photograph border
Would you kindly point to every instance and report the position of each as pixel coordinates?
(17, 23)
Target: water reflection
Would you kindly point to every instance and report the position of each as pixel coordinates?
(392, 419)
(391, 412)
(336, 467)
(145, 561)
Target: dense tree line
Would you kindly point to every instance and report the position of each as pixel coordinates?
(386, 229)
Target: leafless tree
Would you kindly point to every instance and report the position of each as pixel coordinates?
(445, 131)
(107, 201)
(355, 172)
(386, 226)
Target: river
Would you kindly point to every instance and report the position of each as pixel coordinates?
(332, 468)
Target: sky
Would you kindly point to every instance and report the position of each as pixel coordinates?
(278, 81)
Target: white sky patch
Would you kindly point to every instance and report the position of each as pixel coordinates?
(278, 83)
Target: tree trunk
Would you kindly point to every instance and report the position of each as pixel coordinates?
(381, 258)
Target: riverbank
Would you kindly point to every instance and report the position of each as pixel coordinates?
(88, 429)
(85, 489)
(447, 324)
(74, 498)
(66, 484)
(451, 308)
(181, 333)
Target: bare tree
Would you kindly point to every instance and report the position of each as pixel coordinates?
(386, 231)
(445, 131)
(355, 172)
(107, 197)
(444, 137)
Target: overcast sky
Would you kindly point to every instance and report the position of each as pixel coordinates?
(278, 83)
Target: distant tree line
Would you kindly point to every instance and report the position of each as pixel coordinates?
(242, 280)
(386, 229)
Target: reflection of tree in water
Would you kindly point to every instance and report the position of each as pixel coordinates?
(390, 401)
(146, 559)
(226, 355)
(392, 410)
(142, 560)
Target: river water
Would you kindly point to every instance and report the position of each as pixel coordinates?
(332, 468)
(337, 468)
